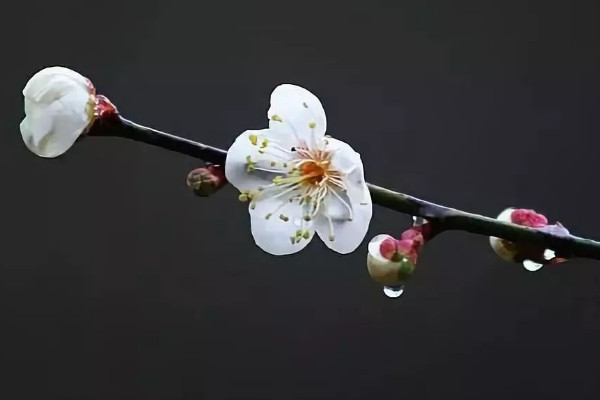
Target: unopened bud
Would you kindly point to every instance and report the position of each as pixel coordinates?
(386, 262)
(207, 180)
(532, 257)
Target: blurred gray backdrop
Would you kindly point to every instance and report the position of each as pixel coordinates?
(117, 283)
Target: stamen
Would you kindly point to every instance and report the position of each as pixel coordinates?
(331, 233)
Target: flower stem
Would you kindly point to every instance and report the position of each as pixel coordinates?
(444, 218)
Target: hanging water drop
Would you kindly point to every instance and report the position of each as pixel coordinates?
(532, 266)
(393, 291)
(418, 221)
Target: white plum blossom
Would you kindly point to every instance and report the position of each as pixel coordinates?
(299, 181)
(59, 107)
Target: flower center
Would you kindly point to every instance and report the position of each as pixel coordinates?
(312, 172)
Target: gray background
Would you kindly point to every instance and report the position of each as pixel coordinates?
(117, 283)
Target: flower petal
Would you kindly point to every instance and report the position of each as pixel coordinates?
(350, 164)
(52, 83)
(347, 234)
(248, 144)
(296, 112)
(275, 222)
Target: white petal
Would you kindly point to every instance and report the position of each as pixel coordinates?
(52, 83)
(350, 163)
(237, 160)
(347, 235)
(505, 216)
(273, 235)
(501, 250)
(497, 244)
(50, 129)
(296, 112)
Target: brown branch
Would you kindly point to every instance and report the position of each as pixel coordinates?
(444, 218)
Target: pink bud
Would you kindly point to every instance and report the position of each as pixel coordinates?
(415, 235)
(528, 218)
(388, 248)
(408, 248)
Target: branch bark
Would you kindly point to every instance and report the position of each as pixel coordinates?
(445, 218)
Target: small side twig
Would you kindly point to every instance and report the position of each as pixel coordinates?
(445, 218)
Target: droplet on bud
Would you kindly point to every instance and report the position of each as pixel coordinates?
(418, 221)
(532, 266)
(393, 291)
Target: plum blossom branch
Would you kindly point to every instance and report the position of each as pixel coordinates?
(441, 217)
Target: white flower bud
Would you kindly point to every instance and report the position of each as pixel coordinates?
(59, 107)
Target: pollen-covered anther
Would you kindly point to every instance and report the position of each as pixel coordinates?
(250, 165)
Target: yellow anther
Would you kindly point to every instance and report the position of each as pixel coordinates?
(312, 125)
(276, 117)
(268, 216)
(264, 143)
(306, 234)
(253, 139)
(243, 197)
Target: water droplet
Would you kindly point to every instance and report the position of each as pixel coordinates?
(418, 221)
(532, 266)
(393, 291)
